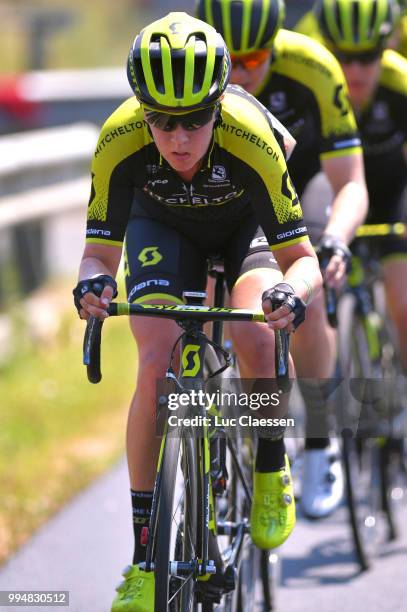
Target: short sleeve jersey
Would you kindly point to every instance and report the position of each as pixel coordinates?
(383, 127)
(244, 167)
(306, 90)
(383, 130)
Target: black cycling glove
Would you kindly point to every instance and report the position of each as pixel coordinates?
(282, 294)
(93, 285)
(329, 246)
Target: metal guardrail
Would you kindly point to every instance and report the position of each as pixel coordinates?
(32, 159)
(43, 202)
(44, 180)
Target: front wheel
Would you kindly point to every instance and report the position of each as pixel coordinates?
(176, 534)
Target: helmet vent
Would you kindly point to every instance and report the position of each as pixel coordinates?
(199, 73)
(338, 19)
(216, 14)
(355, 22)
(271, 23)
(178, 71)
(236, 25)
(217, 71)
(373, 18)
(156, 64)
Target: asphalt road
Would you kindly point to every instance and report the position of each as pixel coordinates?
(84, 547)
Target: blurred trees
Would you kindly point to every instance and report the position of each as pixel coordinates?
(56, 34)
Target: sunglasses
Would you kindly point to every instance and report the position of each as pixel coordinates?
(368, 57)
(190, 121)
(250, 61)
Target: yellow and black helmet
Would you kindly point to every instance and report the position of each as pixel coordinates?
(178, 63)
(357, 25)
(246, 25)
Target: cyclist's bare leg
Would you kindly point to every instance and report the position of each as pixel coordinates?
(313, 346)
(155, 339)
(273, 494)
(254, 343)
(394, 276)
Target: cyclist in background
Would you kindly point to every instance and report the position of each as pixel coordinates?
(186, 168)
(308, 25)
(398, 40)
(302, 84)
(377, 82)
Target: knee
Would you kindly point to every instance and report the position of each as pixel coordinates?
(399, 314)
(253, 341)
(316, 321)
(153, 362)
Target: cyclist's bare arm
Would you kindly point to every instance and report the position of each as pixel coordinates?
(347, 179)
(98, 259)
(349, 208)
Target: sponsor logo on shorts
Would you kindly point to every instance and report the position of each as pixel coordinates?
(149, 256)
(291, 233)
(152, 282)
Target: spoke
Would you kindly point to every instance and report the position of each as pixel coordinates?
(175, 512)
(184, 582)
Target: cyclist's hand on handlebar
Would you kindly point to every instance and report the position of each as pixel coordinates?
(92, 296)
(282, 309)
(334, 257)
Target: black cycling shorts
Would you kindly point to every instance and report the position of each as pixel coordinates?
(392, 210)
(161, 261)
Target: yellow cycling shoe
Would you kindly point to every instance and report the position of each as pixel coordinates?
(272, 517)
(136, 592)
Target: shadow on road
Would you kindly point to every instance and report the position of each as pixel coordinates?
(321, 565)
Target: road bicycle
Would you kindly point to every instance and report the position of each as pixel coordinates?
(198, 541)
(369, 415)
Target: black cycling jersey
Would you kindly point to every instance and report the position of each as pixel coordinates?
(244, 169)
(305, 89)
(383, 126)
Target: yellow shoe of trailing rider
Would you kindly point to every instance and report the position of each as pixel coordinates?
(272, 517)
(136, 592)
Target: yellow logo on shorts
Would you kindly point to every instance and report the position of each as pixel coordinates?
(149, 256)
(191, 370)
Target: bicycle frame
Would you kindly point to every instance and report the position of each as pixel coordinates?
(193, 345)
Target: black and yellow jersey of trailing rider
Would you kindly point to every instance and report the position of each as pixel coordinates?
(306, 90)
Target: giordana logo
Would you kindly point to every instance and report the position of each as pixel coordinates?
(153, 282)
(98, 232)
(278, 101)
(218, 173)
(289, 234)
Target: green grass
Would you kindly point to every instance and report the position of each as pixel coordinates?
(57, 431)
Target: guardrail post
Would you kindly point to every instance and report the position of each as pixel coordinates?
(29, 255)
